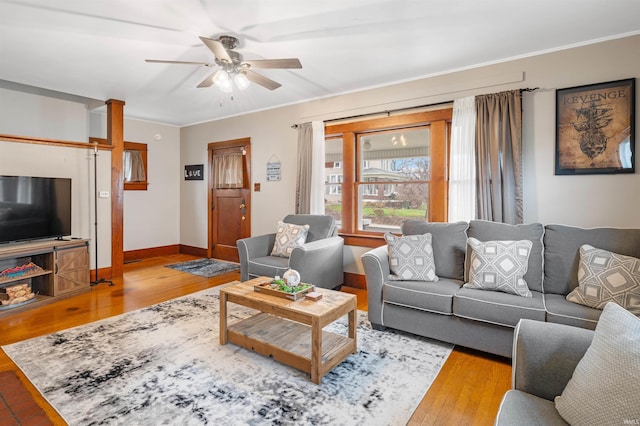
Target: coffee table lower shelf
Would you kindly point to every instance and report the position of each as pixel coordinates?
(290, 342)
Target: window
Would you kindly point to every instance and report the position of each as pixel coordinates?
(135, 166)
(393, 169)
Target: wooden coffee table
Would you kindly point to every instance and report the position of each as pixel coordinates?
(291, 332)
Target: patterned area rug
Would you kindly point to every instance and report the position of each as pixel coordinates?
(205, 267)
(164, 365)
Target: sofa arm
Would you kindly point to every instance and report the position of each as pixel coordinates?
(376, 271)
(320, 262)
(250, 248)
(545, 355)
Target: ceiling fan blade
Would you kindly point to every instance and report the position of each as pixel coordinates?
(262, 80)
(207, 82)
(275, 63)
(159, 61)
(217, 48)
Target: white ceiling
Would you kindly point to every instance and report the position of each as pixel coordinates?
(96, 48)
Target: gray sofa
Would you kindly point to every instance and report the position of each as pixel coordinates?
(481, 319)
(544, 358)
(319, 260)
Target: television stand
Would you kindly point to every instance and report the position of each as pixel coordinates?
(62, 271)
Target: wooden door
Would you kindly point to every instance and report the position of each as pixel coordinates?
(229, 208)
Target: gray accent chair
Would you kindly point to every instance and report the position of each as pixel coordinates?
(544, 358)
(319, 261)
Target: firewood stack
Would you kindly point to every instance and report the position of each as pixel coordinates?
(16, 293)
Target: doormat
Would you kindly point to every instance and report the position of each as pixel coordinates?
(205, 267)
(164, 365)
(16, 403)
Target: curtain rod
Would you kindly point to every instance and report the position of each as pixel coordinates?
(389, 112)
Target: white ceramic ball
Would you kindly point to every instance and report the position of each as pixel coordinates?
(292, 277)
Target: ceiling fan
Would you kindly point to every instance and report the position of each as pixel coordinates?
(233, 67)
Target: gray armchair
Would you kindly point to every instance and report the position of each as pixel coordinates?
(544, 357)
(319, 261)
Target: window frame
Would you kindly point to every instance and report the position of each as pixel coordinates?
(142, 147)
(439, 122)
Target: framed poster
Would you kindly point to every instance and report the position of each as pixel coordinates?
(595, 128)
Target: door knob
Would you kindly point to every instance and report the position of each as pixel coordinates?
(242, 206)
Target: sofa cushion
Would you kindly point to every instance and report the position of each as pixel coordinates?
(561, 311)
(288, 237)
(497, 307)
(499, 266)
(268, 266)
(521, 408)
(605, 386)
(411, 257)
(561, 256)
(604, 277)
(486, 231)
(320, 226)
(449, 242)
(426, 296)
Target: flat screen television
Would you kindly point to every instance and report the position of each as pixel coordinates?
(34, 208)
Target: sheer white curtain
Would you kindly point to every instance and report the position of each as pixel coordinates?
(227, 171)
(462, 162)
(316, 202)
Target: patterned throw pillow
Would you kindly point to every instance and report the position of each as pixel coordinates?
(411, 258)
(499, 265)
(288, 237)
(604, 276)
(605, 386)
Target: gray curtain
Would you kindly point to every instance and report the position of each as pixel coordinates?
(303, 175)
(133, 166)
(499, 157)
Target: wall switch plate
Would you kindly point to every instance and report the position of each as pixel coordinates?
(256, 187)
(103, 194)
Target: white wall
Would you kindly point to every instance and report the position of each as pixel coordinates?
(151, 217)
(271, 137)
(589, 201)
(25, 114)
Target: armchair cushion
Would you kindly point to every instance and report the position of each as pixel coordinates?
(288, 237)
(605, 387)
(320, 226)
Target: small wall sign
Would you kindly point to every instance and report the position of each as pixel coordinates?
(194, 172)
(273, 171)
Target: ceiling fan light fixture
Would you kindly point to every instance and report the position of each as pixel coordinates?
(226, 86)
(241, 81)
(220, 77)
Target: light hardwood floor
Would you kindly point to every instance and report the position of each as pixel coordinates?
(467, 391)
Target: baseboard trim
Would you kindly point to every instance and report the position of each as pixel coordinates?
(355, 280)
(132, 255)
(106, 273)
(194, 251)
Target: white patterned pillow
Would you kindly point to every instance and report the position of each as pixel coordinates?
(411, 257)
(604, 276)
(605, 386)
(499, 265)
(288, 237)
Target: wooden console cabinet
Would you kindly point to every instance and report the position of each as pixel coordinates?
(65, 270)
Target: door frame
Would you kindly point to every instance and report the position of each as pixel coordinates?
(239, 143)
